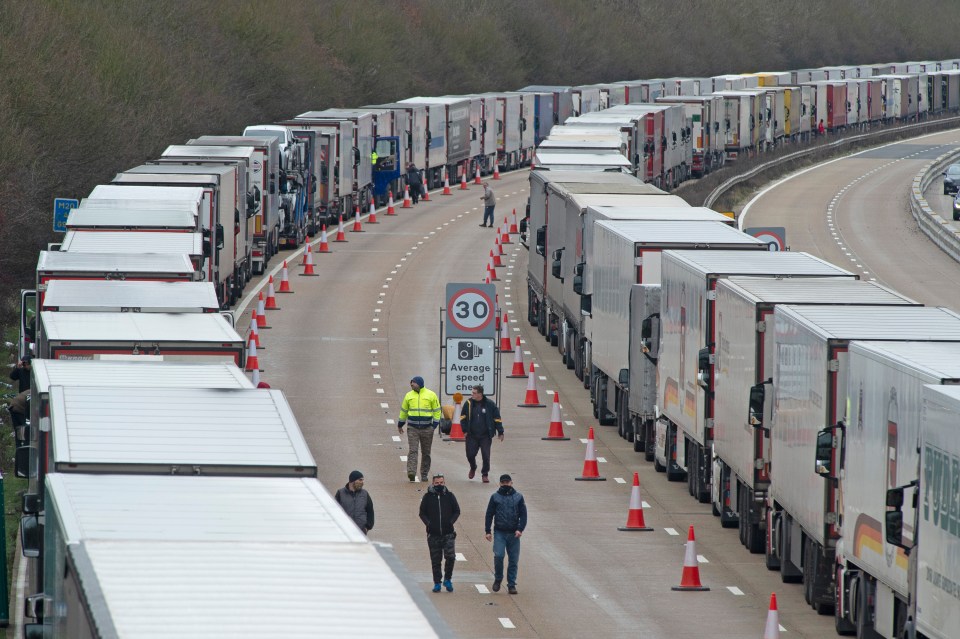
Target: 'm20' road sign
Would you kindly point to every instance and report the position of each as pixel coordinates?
(471, 311)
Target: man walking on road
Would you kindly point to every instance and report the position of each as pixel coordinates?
(489, 202)
(421, 408)
(508, 513)
(356, 502)
(439, 511)
(480, 419)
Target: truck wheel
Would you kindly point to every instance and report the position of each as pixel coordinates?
(638, 443)
(657, 466)
(809, 571)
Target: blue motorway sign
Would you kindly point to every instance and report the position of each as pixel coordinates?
(61, 211)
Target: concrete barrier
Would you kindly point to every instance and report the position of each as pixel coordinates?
(941, 232)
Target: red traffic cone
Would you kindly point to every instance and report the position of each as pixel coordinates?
(486, 280)
(495, 259)
(532, 399)
(505, 345)
(426, 190)
(303, 259)
(556, 427)
(772, 629)
(635, 514)
(407, 202)
(284, 280)
(255, 377)
(254, 330)
(372, 218)
(324, 246)
(308, 266)
(504, 236)
(390, 207)
(456, 430)
(261, 313)
(690, 580)
(341, 237)
(476, 177)
(271, 303)
(499, 246)
(446, 184)
(463, 181)
(253, 364)
(357, 227)
(590, 470)
(492, 272)
(517, 370)
(496, 171)
(514, 229)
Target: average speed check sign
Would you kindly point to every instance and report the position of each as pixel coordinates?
(470, 310)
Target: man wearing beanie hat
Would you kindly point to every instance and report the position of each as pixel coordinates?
(421, 409)
(507, 513)
(356, 501)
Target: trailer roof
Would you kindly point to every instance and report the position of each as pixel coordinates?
(209, 152)
(133, 242)
(115, 263)
(545, 88)
(121, 192)
(599, 142)
(233, 140)
(249, 589)
(335, 114)
(104, 295)
(100, 373)
(91, 217)
(446, 99)
(800, 290)
(935, 358)
(787, 263)
(170, 177)
(640, 210)
(947, 395)
(597, 159)
(894, 323)
(593, 179)
(182, 169)
(148, 328)
(217, 509)
(669, 232)
(141, 204)
(210, 431)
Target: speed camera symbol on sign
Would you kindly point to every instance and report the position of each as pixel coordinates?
(470, 311)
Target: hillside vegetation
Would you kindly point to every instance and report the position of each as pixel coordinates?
(91, 87)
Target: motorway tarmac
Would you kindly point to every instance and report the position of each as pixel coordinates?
(343, 348)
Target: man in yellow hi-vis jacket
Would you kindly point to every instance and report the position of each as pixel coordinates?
(421, 409)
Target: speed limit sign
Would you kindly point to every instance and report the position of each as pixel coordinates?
(470, 310)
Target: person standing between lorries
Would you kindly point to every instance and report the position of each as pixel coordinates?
(439, 511)
(480, 420)
(421, 408)
(507, 514)
(356, 502)
(414, 181)
(489, 202)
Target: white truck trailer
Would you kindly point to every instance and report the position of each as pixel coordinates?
(805, 510)
(932, 611)
(744, 371)
(627, 253)
(883, 428)
(128, 219)
(131, 297)
(688, 325)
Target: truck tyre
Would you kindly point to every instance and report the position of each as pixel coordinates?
(638, 443)
(809, 571)
(657, 466)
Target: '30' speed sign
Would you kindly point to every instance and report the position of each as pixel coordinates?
(470, 310)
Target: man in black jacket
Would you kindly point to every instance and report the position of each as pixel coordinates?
(507, 515)
(480, 419)
(439, 511)
(356, 501)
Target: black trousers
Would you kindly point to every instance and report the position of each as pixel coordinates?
(442, 547)
(483, 446)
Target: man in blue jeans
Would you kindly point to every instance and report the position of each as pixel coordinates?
(507, 512)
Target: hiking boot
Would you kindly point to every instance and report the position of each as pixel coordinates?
(423, 478)
(486, 479)
(448, 585)
(412, 476)
(512, 590)
(496, 585)
(436, 587)
(482, 225)
(472, 473)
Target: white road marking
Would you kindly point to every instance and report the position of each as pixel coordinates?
(390, 421)
(376, 319)
(506, 288)
(380, 391)
(703, 560)
(782, 629)
(378, 310)
(403, 458)
(601, 460)
(374, 363)
(620, 480)
(483, 590)
(735, 590)
(509, 304)
(543, 377)
(382, 405)
(461, 557)
(583, 440)
(373, 330)
(568, 423)
(373, 351)
(671, 531)
(549, 392)
(379, 301)
(393, 272)
(376, 376)
(395, 438)
(506, 623)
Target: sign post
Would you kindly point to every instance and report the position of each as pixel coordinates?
(468, 347)
(61, 211)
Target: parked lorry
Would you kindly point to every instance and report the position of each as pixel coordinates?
(92, 218)
(334, 166)
(810, 404)
(562, 104)
(295, 181)
(436, 139)
(626, 253)
(705, 114)
(934, 552)
(688, 342)
(745, 361)
(410, 125)
(510, 125)
(251, 251)
(59, 265)
(131, 297)
(543, 114)
(881, 436)
(456, 132)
